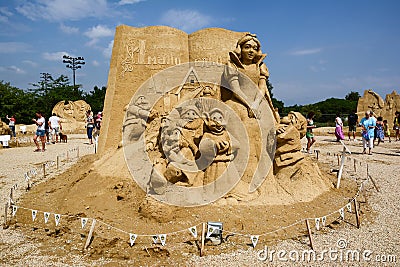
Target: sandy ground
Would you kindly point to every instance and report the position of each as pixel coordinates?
(34, 244)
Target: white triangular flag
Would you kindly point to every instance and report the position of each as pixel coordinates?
(57, 218)
(132, 238)
(254, 240)
(210, 230)
(26, 177)
(348, 206)
(323, 220)
(84, 222)
(14, 210)
(34, 213)
(341, 212)
(163, 238)
(317, 220)
(193, 231)
(155, 238)
(46, 217)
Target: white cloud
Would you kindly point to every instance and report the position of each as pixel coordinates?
(129, 2)
(95, 63)
(306, 52)
(56, 56)
(13, 47)
(186, 20)
(68, 29)
(60, 10)
(108, 51)
(30, 63)
(3, 18)
(97, 32)
(5, 14)
(13, 69)
(4, 11)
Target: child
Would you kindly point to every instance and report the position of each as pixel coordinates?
(380, 131)
(386, 129)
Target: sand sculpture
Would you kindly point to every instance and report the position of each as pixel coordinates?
(72, 114)
(198, 124)
(385, 108)
(4, 129)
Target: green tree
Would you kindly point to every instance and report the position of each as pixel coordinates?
(14, 101)
(48, 94)
(352, 96)
(95, 98)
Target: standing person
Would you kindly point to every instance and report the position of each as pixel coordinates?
(386, 129)
(54, 127)
(98, 120)
(380, 134)
(89, 125)
(339, 128)
(353, 121)
(40, 121)
(11, 124)
(309, 134)
(396, 124)
(368, 125)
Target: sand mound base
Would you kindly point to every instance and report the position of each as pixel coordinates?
(86, 191)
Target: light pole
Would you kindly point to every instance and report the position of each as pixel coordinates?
(73, 63)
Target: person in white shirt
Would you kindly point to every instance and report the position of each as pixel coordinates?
(40, 121)
(54, 127)
(339, 128)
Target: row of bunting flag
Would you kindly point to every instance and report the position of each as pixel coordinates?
(161, 238)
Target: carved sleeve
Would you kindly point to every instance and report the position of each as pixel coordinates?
(231, 72)
(264, 73)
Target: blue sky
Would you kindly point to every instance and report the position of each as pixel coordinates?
(316, 48)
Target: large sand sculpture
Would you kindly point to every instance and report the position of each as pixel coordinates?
(191, 114)
(72, 114)
(374, 102)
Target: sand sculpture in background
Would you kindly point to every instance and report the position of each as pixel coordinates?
(385, 108)
(72, 114)
(203, 131)
(4, 128)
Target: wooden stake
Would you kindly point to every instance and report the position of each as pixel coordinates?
(309, 234)
(58, 162)
(355, 169)
(89, 238)
(338, 159)
(5, 224)
(203, 237)
(373, 182)
(12, 195)
(44, 170)
(356, 211)
(341, 167)
(317, 151)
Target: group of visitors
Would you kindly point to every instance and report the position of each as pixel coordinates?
(372, 129)
(50, 131)
(376, 129)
